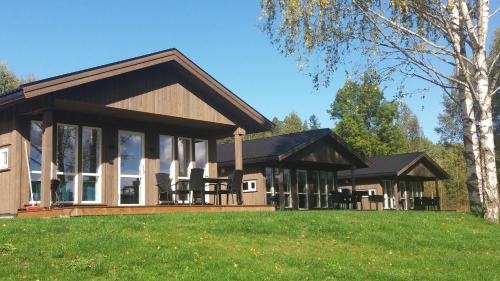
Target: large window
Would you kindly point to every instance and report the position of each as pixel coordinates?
(269, 186)
(388, 194)
(316, 190)
(287, 188)
(91, 162)
(67, 157)
(35, 160)
(184, 151)
(323, 189)
(331, 187)
(201, 154)
(166, 153)
(302, 189)
(403, 191)
(415, 190)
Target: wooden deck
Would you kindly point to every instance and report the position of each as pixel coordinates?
(76, 211)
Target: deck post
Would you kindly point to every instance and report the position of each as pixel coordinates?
(238, 148)
(47, 157)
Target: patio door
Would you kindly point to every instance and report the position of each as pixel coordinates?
(131, 168)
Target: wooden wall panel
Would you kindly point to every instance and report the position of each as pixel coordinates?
(320, 152)
(420, 170)
(150, 91)
(7, 177)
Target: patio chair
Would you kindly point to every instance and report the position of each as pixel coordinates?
(418, 203)
(436, 204)
(336, 198)
(196, 185)
(234, 187)
(55, 193)
(426, 203)
(355, 198)
(164, 184)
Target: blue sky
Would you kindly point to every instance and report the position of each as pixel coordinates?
(48, 38)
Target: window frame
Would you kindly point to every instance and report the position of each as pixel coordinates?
(249, 183)
(316, 191)
(205, 168)
(35, 172)
(190, 165)
(4, 161)
(306, 189)
(98, 175)
(75, 174)
(269, 180)
(172, 151)
(289, 202)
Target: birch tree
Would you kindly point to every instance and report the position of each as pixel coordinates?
(442, 42)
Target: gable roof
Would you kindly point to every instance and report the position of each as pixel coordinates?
(49, 85)
(394, 165)
(278, 148)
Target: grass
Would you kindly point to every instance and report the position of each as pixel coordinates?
(316, 245)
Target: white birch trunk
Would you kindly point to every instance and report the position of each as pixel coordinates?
(484, 118)
(471, 151)
(470, 134)
(487, 143)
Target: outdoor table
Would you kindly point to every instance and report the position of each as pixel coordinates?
(216, 182)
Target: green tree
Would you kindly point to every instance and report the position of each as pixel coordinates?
(365, 119)
(449, 121)
(314, 122)
(450, 158)
(442, 42)
(410, 127)
(291, 124)
(8, 80)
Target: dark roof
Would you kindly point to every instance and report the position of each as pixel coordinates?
(393, 165)
(29, 90)
(275, 148)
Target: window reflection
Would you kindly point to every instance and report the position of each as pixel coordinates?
(166, 153)
(184, 150)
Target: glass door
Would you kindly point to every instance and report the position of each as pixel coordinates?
(131, 168)
(302, 189)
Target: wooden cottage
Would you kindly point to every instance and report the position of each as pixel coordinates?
(399, 179)
(105, 131)
(299, 169)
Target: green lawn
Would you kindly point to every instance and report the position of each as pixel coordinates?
(322, 245)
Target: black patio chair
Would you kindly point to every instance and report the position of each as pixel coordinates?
(355, 198)
(337, 200)
(55, 193)
(436, 204)
(234, 187)
(196, 185)
(418, 203)
(164, 184)
(427, 203)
